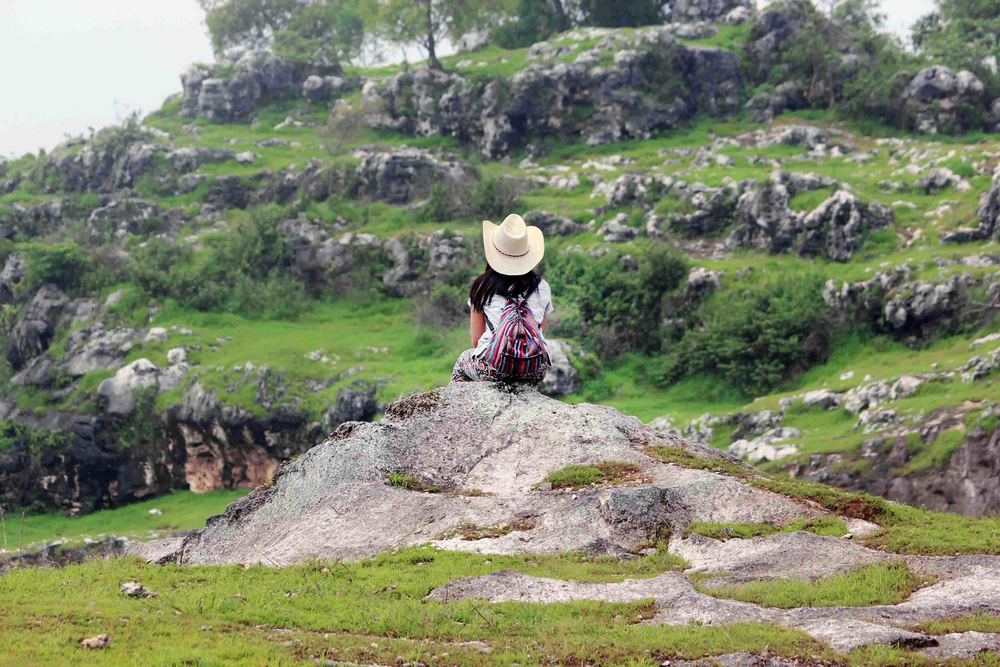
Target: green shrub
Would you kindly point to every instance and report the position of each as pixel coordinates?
(754, 338)
(245, 271)
(495, 198)
(61, 264)
(620, 310)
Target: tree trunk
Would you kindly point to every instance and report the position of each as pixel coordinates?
(563, 21)
(432, 60)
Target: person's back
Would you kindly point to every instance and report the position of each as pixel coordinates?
(508, 305)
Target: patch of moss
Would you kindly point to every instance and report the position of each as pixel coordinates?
(606, 472)
(410, 483)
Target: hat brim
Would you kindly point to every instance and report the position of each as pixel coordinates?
(513, 266)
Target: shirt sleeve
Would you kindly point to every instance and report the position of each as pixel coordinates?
(547, 294)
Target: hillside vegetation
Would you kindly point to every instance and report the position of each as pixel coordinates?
(760, 264)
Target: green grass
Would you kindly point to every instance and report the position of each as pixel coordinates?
(369, 612)
(906, 530)
(606, 472)
(180, 510)
(361, 338)
(871, 585)
(938, 452)
(827, 526)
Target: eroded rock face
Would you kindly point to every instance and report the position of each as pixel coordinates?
(938, 99)
(988, 214)
(540, 100)
(689, 11)
(235, 90)
(399, 176)
(483, 449)
(966, 484)
(834, 229)
(120, 217)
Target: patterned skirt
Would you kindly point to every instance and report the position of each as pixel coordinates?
(469, 368)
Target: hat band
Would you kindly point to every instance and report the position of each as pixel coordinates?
(507, 254)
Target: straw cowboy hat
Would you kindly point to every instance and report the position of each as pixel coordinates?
(512, 247)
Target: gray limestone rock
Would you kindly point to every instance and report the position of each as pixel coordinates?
(336, 501)
(964, 645)
(689, 11)
(835, 228)
(798, 555)
(401, 175)
(562, 378)
(938, 99)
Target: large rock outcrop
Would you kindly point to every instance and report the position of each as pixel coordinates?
(653, 83)
(236, 88)
(938, 99)
(835, 229)
(473, 455)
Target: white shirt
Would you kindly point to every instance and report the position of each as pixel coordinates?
(539, 301)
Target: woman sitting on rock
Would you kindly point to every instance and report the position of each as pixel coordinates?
(508, 304)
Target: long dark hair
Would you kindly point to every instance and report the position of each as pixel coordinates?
(489, 282)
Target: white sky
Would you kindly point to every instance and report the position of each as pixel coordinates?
(66, 65)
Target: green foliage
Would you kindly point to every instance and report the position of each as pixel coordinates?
(962, 34)
(327, 32)
(242, 272)
(625, 13)
(443, 308)
(36, 441)
(495, 197)
(754, 338)
(61, 264)
(532, 21)
(606, 472)
(427, 22)
(620, 309)
(323, 32)
(844, 61)
(889, 583)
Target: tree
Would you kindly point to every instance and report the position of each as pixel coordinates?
(318, 31)
(427, 22)
(621, 14)
(246, 22)
(963, 34)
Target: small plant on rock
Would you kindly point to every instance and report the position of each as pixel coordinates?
(411, 483)
(606, 472)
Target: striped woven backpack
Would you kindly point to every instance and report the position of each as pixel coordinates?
(517, 350)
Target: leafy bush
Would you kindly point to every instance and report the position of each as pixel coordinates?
(495, 198)
(245, 272)
(443, 308)
(754, 338)
(61, 264)
(620, 310)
